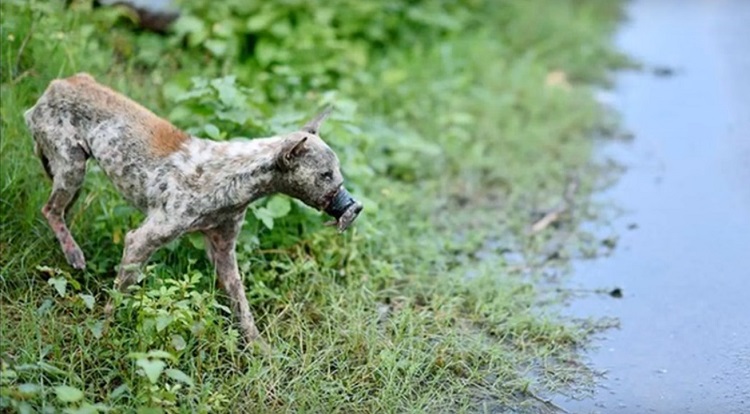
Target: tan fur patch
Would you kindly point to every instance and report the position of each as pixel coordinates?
(165, 137)
(162, 137)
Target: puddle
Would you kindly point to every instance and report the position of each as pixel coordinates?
(682, 263)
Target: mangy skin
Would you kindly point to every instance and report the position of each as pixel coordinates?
(182, 183)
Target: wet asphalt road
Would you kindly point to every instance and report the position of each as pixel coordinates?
(684, 341)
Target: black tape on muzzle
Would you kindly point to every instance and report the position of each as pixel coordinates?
(344, 208)
(340, 203)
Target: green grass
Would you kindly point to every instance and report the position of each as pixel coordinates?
(436, 300)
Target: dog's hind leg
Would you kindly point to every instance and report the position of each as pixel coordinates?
(67, 171)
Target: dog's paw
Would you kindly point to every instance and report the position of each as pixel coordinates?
(75, 258)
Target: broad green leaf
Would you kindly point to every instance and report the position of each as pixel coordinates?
(162, 321)
(197, 240)
(223, 29)
(188, 24)
(88, 300)
(178, 375)
(198, 328)
(97, 329)
(266, 51)
(279, 206)
(44, 307)
(25, 408)
(264, 216)
(59, 283)
(159, 354)
(237, 116)
(248, 240)
(178, 342)
(192, 94)
(171, 246)
(217, 47)
(193, 27)
(212, 131)
(152, 368)
(68, 394)
(197, 37)
(122, 389)
(228, 93)
(28, 389)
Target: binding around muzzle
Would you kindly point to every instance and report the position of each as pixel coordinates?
(344, 208)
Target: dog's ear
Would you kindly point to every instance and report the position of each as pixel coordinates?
(291, 151)
(296, 149)
(313, 127)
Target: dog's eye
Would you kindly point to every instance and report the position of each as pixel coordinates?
(328, 175)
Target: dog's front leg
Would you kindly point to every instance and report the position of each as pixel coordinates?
(139, 245)
(222, 242)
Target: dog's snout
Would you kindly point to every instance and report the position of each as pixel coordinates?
(341, 201)
(344, 208)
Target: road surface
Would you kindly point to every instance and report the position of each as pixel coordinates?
(684, 341)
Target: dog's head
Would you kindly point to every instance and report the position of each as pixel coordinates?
(310, 172)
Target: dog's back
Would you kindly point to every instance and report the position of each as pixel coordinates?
(83, 103)
(77, 118)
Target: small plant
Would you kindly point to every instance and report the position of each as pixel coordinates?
(172, 313)
(162, 385)
(26, 397)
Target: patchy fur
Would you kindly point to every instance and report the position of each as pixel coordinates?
(165, 138)
(182, 183)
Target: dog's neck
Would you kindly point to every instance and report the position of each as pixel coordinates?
(235, 172)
